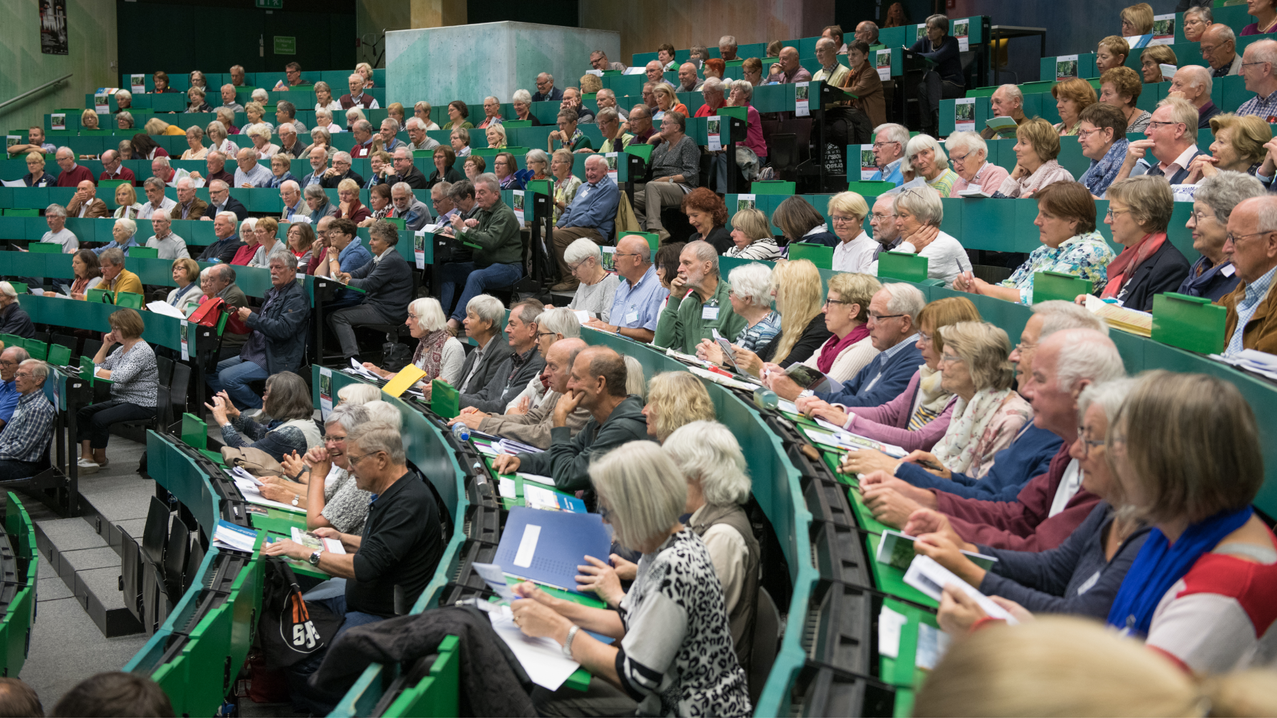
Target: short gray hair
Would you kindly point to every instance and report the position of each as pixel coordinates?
(1086, 355)
(643, 488)
(7, 289)
(153, 182)
(753, 283)
(1011, 92)
(314, 191)
(342, 155)
(709, 454)
(728, 40)
(940, 21)
(894, 132)
(290, 184)
(581, 250)
(489, 180)
(1225, 190)
(905, 299)
(376, 436)
(228, 216)
(704, 252)
(348, 416)
(429, 313)
(743, 86)
(966, 140)
(383, 411)
(356, 394)
(113, 256)
(1110, 395)
(39, 369)
(402, 187)
(288, 259)
(290, 127)
(365, 126)
(487, 308)
(560, 320)
(535, 155)
(161, 161)
(918, 143)
(131, 227)
(522, 96)
(923, 203)
(393, 123)
(56, 210)
(1058, 315)
(712, 84)
(1198, 75)
(1265, 51)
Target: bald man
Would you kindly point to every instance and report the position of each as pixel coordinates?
(85, 203)
(1193, 83)
(790, 70)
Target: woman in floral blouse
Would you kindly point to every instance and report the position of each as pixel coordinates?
(1066, 226)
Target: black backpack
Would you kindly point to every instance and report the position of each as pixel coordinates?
(291, 629)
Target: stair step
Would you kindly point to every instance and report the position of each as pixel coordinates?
(88, 565)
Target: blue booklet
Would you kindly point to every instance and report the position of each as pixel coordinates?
(547, 546)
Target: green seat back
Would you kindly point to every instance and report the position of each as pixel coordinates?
(902, 265)
(59, 355)
(37, 349)
(775, 188)
(1058, 285)
(44, 248)
(19, 287)
(817, 254)
(1190, 323)
(144, 253)
(131, 300)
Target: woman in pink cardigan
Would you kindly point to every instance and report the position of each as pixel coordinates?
(919, 417)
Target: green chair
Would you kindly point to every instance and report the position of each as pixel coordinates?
(144, 253)
(194, 431)
(773, 188)
(643, 150)
(444, 399)
(130, 300)
(100, 296)
(37, 349)
(398, 222)
(817, 254)
(903, 266)
(868, 188)
(1190, 323)
(419, 154)
(59, 355)
(44, 247)
(1058, 285)
(22, 213)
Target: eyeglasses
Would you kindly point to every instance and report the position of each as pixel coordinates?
(841, 219)
(947, 358)
(959, 158)
(1115, 212)
(1151, 125)
(836, 301)
(1088, 444)
(356, 459)
(878, 145)
(1248, 64)
(626, 254)
(545, 334)
(1198, 216)
(924, 338)
(1230, 237)
(880, 317)
(1083, 134)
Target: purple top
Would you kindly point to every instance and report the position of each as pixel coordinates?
(886, 423)
(1251, 29)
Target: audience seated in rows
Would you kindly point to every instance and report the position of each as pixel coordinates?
(387, 286)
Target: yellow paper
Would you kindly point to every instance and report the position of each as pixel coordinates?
(406, 377)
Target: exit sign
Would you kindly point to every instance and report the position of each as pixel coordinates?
(270, 4)
(285, 45)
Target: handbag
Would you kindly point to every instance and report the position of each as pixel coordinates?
(395, 356)
(208, 313)
(254, 461)
(290, 628)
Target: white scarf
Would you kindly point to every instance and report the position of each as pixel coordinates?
(957, 451)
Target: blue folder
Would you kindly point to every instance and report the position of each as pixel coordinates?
(564, 541)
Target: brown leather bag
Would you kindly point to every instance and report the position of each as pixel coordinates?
(254, 461)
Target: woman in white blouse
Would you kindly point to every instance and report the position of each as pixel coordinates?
(919, 213)
(324, 98)
(216, 132)
(752, 236)
(438, 353)
(126, 198)
(855, 249)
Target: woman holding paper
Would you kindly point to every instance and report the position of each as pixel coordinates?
(438, 353)
(795, 284)
(135, 382)
(969, 154)
(676, 593)
(186, 296)
(1083, 574)
(1151, 61)
(285, 425)
(596, 286)
(751, 298)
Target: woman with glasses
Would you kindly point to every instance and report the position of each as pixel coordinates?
(285, 425)
(1070, 244)
(969, 154)
(596, 286)
(1139, 211)
(751, 298)
(1240, 145)
(504, 166)
(438, 353)
(1083, 574)
(1213, 275)
(334, 501)
(918, 217)
(1102, 135)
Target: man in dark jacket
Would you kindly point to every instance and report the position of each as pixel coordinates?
(519, 368)
(219, 194)
(498, 250)
(228, 242)
(598, 384)
(13, 318)
(405, 170)
(276, 339)
(387, 285)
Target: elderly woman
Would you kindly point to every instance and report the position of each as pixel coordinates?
(260, 137)
(134, 381)
(324, 121)
(457, 116)
(195, 143)
(752, 236)
(1071, 97)
(917, 418)
(969, 154)
(126, 199)
(125, 148)
(799, 222)
(667, 101)
(987, 416)
(539, 163)
(196, 101)
(89, 120)
(186, 296)
(1196, 20)
(1151, 61)
(1265, 14)
(568, 136)
(928, 161)
(444, 159)
(597, 285)
(504, 166)
(495, 134)
(379, 202)
(161, 82)
(676, 593)
(565, 183)
(226, 116)
(459, 139)
(918, 217)
(255, 112)
(349, 206)
(796, 288)
(123, 99)
(320, 137)
(124, 120)
(123, 237)
(197, 79)
(849, 348)
(354, 115)
(156, 126)
(1139, 211)
(217, 138)
(522, 103)
(324, 98)
(1102, 136)
(675, 399)
(1094, 558)
(751, 299)
(381, 163)
(285, 425)
(86, 273)
(1212, 275)
(752, 71)
(280, 163)
(475, 166)
(36, 176)
(335, 500)
(1239, 146)
(1036, 147)
(1137, 20)
(248, 233)
(1121, 87)
(707, 213)
(268, 243)
(301, 242)
(318, 204)
(1070, 245)
(590, 84)
(438, 353)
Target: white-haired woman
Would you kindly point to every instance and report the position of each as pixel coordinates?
(260, 135)
(673, 650)
(751, 299)
(217, 139)
(969, 154)
(438, 353)
(927, 160)
(324, 121)
(918, 217)
(522, 103)
(584, 259)
(334, 501)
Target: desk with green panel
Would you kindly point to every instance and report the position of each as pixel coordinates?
(21, 564)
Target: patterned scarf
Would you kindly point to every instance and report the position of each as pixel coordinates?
(429, 354)
(958, 450)
(932, 399)
(1123, 267)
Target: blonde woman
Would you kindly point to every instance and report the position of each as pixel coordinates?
(365, 69)
(674, 399)
(1240, 146)
(849, 347)
(256, 114)
(324, 99)
(752, 236)
(667, 101)
(565, 183)
(1036, 147)
(126, 198)
(89, 120)
(217, 138)
(496, 137)
(796, 286)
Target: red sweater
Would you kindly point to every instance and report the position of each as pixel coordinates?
(1023, 524)
(74, 176)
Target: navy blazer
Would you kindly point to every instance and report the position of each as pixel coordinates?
(1163, 272)
(284, 323)
(1213, 282)
(896, 373)
(232, 205)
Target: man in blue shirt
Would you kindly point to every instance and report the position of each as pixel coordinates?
(592, 214)
(251, 174)
(10, 358)
(637, 303)
(889, 152)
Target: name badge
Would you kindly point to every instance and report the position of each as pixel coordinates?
(632, 316)
(709, 314)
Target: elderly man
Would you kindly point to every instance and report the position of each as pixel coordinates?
(220, 200)
(591, 214)
(357, 97)
(636, 306)
(522, 365)
(115, 278)
(414, 212)
(835, 35)
(318, 157)
(441, 197)
(387, 285)
(533, 427)
(228, 98)
(362, 132)
(341, 169)
(889, 152)
(36, 143)
(389, 131)
(1007, 101)
(188, 205)
(883, 222)
(277, 335)
(689, 319)
(1193, 83)
(597, 382)
(712, 90)
(727, 48)
(417, 134)
(687, 79)
(218, 282)
(55, 216)
(114, 169)
(649, 95)
(893, 330)
(393, 560)
(13, 318)
(546, 91)
(867, 32)
(1171, 138)
(288, 144)
(250, 174)
(1219, 50)
(286, 114)
(791, 70)
(24, 443)
(161, 168)
(606, 99)
(405, 171)
(491, 113)
(1259, 67)
(170, 245)
(237, 75)
(156, 199)
(572, 101)
(85, 204)
(215, 161)
(675, 172)
(1251, 245)
(599, 61)
(640, 124)
(228, 242)
(654, 71)
(10, 358)
(498, 253)
(295, 209)
(462, 196)
(72, 173)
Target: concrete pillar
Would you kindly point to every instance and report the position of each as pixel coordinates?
(438, 13)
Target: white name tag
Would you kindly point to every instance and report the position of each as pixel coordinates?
(709, 314)
(632, 316)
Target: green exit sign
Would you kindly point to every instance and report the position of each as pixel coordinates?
(270, 4)
(285, 45)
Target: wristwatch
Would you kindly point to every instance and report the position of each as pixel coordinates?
(314, 557)
(296, 499)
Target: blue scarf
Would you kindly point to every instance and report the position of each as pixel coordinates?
(1160, 564)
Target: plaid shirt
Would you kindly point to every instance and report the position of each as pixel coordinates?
(1265, 107)
(27, 435)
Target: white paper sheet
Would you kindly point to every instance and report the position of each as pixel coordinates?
(537, 497)
(889, 625)
(932, 645)
(507, 488)
(928, 576)
(166, 309)
(527, 546)
(542, 658)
